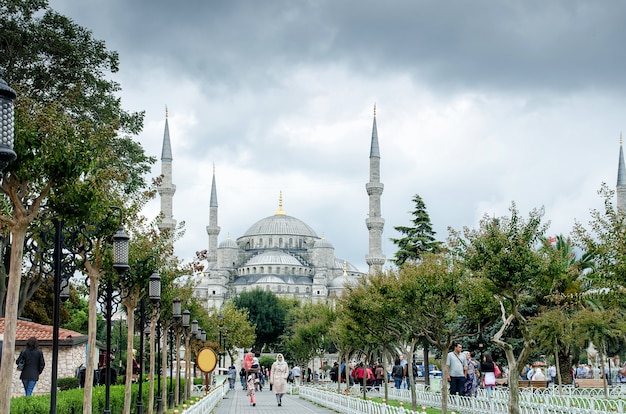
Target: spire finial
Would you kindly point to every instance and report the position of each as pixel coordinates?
(213, 168)
(620, 138)
(374, 109)
(280, 211)
(166, 112)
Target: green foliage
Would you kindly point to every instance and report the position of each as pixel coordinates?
(266, 313)
(266, 361)
(67, 383)
(308, 332)
(418, 239)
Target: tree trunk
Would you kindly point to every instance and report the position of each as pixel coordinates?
(564, 369)
(444, 379)
(177, 385)
(131, 304)
(18, 234)
(92, 328)
(152, 347)
(164, 348)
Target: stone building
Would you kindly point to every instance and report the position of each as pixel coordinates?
(72, 353)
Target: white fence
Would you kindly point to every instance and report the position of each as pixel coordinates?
(208, 402)
(536, 401)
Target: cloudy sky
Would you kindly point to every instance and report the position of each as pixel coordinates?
(479, 103)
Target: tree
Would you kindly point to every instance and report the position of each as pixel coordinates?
(441, 303)
(72, 143)
(418, 239)
(504, 252)
(307, 331)
(266, 313)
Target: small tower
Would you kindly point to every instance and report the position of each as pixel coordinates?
(166, 189)
(375, 223)
(621, 180)
(213, 230)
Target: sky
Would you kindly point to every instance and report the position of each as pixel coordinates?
(479, 104)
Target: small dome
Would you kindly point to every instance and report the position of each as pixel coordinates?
(228, 244)
(273, 257)
(323, 243)
(343, 281)
(280, 225)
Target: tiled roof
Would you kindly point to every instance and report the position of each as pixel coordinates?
(43, 333)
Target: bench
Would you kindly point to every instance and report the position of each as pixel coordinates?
(589, 382)
(502, 382)
(533, 383)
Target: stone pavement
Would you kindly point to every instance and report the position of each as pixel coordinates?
(237, 402)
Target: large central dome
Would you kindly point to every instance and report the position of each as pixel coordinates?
(280, 225)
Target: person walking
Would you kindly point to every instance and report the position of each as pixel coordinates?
(296, 372)
(232, 376)
(487, 367)
(278, 378)
(33, 365)
(251, 389)
(456, 365)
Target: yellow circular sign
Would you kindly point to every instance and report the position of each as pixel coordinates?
(206, 360)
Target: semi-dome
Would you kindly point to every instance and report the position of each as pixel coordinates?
(280, 225)
(323, 243)
(273, 257)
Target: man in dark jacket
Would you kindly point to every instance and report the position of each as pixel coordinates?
(33, 365)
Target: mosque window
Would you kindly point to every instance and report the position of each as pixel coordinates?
(290, 242)
(280, 242)
(248, 246)
(269, 269)
(297, 289)
(280, 288)
(270, 243)
(300, 243)
(308, 290)
(260, 243)
(318, 292)
(213, 293)
(254, 270)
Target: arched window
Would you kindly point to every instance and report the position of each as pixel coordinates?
(290, 242)
(280, 242)
(261, 269)
(297, 289)
(270, 242)
(260, 243)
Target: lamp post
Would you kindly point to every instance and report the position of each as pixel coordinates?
(120, 264)
(7, 96)
(154, 294)
(61, 291)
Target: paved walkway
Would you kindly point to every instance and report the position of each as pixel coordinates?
(237, 402)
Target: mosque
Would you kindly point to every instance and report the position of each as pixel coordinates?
(278, 253)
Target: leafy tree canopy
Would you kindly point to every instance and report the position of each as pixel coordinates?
(266, 313)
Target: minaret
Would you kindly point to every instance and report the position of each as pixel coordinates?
(166, 189)
(213, 229)
(621, 180)
(375, 223)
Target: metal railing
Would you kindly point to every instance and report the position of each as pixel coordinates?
(535, 401)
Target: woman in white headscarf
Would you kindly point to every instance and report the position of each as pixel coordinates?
(278, 378)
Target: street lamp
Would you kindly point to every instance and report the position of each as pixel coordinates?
(186, 317)
(120, 264)
(7, 125)
(154, 294)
